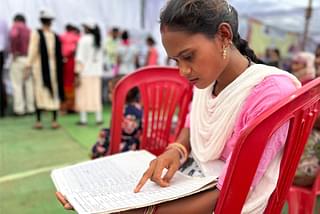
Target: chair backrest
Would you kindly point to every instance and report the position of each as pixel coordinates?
(316, 185)
(301, 109)
(163, 93)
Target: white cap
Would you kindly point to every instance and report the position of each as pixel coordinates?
(90, 23)
(46, 14)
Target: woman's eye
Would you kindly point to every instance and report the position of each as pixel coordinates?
(187, 57)
(175, 60)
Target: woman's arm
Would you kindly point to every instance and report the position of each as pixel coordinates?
(203, 203)
(184, 138)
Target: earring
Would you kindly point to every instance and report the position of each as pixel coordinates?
(224, 52)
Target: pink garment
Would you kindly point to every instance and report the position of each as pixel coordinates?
(263, 96)
(69, 42)
(152, 56)
(19, 39)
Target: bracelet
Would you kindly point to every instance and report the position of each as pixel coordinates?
(181, 149)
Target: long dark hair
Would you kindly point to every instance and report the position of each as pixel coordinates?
(204, 16)
(96, 35)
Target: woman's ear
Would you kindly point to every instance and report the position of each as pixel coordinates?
(225, 33)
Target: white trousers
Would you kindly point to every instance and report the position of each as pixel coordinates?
(23, 95)
(84, 118)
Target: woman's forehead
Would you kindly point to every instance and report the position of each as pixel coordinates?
(176, 41)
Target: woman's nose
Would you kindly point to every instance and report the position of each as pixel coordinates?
(184, 70)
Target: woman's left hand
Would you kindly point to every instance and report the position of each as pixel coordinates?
(64, 201)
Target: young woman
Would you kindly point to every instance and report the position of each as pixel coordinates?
(89, 69)
(230, 90)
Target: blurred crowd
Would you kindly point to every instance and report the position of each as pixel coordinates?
(65, 73)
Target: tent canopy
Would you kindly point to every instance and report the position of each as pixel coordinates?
(287, 15)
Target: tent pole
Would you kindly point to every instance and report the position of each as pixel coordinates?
(306, 24)
(142, 13)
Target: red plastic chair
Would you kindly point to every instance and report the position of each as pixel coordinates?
(163, 93)
(301, 109)
(302, 200)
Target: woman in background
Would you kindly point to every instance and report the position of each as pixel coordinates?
(89, 69)
(69, 41)
(152, 55)
(302, 66)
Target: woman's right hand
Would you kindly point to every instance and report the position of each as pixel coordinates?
(63, 201)
(169, 160)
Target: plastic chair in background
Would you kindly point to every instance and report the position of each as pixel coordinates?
(301, 108)
(302, 200)
(163, 93)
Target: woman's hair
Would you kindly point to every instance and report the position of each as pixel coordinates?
(96, 35)
(125, 35)
(204, 16)
(150, 40)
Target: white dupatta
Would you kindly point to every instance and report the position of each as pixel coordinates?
(212, 122)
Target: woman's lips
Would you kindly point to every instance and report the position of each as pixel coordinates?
(193, 80)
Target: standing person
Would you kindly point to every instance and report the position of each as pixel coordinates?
(45, 59)
(3, 50)
(89, 69)
(152, 55)
(69, 41)
(127, 55)
(273, 57)
(230, 91)
(23, 96)
(111, 50)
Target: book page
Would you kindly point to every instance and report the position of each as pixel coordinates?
(106, 185)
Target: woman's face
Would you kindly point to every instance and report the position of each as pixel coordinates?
(198, 57)
(297, 65)
(317, 59)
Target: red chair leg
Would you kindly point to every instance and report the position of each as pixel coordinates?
(300, 201)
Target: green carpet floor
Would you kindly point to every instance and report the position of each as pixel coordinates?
(27, 156)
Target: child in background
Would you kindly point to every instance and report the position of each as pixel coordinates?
(131, 127)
